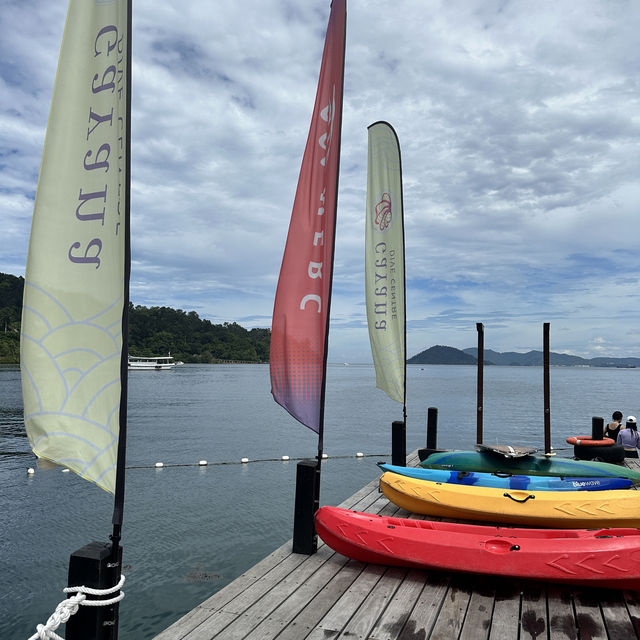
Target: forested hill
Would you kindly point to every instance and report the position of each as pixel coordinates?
(152, 331)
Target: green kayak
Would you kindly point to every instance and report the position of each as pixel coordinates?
(527, 465)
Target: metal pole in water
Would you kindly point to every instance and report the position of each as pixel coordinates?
(432, 428)
(547, 407)
(597, 428)
(305, 539)
(479, 401)
(399, 443)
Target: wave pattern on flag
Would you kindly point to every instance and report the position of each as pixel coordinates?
(301, 310)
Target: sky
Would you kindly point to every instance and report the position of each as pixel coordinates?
(519, 126)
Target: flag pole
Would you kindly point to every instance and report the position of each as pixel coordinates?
(118, 503)
(316, 497)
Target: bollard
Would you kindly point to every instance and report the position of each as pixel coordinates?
(305, 539)
(399, 443)
(432, 428)
(597, 428)
(90, 567)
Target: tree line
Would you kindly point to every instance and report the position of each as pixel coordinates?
(153, 331)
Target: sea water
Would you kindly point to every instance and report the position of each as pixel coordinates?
(190, 530)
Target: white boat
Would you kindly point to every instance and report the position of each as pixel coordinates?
(154, 363)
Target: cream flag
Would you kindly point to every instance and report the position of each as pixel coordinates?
(384, 261)
(71, 343)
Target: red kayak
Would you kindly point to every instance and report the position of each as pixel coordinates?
(593, 557)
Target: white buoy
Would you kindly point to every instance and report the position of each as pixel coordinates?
(359, 454)
(30, 471)
(203, 463)
(285, 458)
(65, 471)
(159, 464)
(244, 460)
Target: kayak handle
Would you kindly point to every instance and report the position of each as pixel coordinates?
(502, 474)
(508, 495)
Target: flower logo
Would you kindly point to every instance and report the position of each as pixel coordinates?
(383, 212)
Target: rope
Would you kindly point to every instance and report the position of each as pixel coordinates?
(70, 606)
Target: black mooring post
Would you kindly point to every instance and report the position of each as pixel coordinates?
(305, 539)
(547, 402)
(432, 428)
(597, 428)
(399, 443)
(91, 566)
(479, 400)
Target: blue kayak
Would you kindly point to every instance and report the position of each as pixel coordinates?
(505, 481)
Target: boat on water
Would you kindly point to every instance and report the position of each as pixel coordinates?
(153, 363)
(554, 509)
(594, 557)
(510, 481)
(528, 465)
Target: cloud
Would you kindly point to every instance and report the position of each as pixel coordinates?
(519, 132)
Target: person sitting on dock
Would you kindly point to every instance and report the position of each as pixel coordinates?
(613, 428)
(629, 438)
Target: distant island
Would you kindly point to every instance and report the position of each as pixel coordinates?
(449, 355)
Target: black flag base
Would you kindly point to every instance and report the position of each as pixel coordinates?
(305, 539)
(92, 566)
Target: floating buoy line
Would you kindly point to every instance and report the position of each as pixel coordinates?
(242, 461)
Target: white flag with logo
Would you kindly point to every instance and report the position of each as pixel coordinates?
(384, 261)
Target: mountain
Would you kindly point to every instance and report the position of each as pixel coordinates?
(449, 355)
(530, 358)
(534, 359)
(443, 355)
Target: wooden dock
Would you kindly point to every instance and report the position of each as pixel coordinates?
(324, 596)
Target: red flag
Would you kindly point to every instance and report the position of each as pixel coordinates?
(300, 325)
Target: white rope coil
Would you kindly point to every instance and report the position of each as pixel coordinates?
(68, 607)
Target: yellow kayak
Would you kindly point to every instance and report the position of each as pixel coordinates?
(557, 509)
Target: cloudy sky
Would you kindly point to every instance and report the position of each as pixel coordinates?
(519, 124)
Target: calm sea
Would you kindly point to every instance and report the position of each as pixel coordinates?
(190, 530)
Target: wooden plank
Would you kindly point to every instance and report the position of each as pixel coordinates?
(477, 622)
(255, 605)
(395, 616)
(217, 622)
(632, 600)
(562, 620)
(425, 612)
(256, 590)
(182, 627)
(505, 621)
(296, 601)
(533, 616)
(250, 577)
(366, 616)
(346, 606)
(318, 606)
(615, 615)
(453, 611)
(371, 487)
(588, 615)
